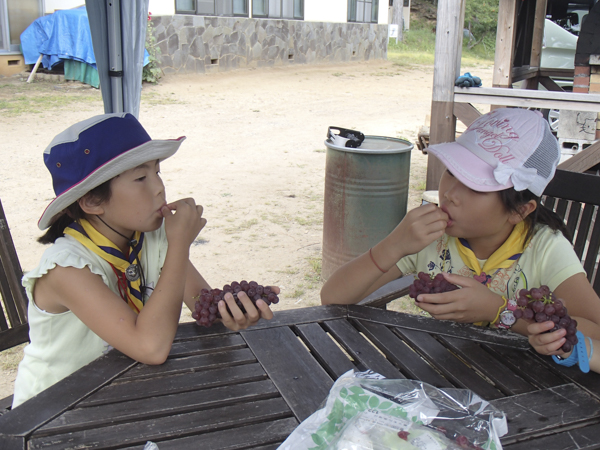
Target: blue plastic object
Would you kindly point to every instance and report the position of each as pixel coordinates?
(468, 80)
(63, 35)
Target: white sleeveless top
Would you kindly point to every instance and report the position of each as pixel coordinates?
(61, 343)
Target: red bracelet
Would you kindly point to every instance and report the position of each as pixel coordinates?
(376, 265)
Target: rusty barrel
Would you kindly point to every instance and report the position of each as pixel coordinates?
(366, 196)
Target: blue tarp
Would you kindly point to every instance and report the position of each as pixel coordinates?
(65, 34)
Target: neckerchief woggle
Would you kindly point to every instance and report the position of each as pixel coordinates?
(93, 240)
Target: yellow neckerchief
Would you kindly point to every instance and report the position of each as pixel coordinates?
(502, 258)
(90, 238)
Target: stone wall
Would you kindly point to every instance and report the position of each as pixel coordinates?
(191, 44)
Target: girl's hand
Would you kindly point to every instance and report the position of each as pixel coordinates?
(185, 225)
(237, 320)
(419, 228)
(473, 303)
(546, 343)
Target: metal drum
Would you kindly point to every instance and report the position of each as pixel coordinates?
(366, 196)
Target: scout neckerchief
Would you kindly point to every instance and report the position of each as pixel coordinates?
(502, 258)
(128, 274)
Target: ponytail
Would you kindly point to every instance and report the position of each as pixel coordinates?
(542, 215)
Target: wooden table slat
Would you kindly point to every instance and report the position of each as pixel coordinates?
(573, 375)
(288, 317)
(402, 355)
(505, 379)
(50, 403)
(303, 383)
(441, 327)
(547, 411)
(176, 383)
(360, 349)
(586, 438)
(259, 436)
(329, 355)
(114, 413)
(210, 344)
(190, 364)
(528, 367)
(452, 368)
(179, 425)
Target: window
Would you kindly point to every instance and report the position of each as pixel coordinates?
(278, 9)
(212, 7)
(363, 10)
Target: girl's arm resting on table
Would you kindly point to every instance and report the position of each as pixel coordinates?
(360, 277)
(146, 337)
(355, 280)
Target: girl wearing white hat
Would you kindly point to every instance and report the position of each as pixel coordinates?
(491, 237)
(118, 269)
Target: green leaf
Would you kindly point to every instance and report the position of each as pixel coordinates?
(317, 439)
(373, 402)
(357, 390)
(385, 405)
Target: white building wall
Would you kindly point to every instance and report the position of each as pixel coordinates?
(162, 7)
(52, 5)
(314, 10)
(326, 10)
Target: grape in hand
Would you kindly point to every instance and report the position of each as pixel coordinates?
(430, 284)
(207, 311)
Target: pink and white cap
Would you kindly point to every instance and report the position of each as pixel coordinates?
(513, 147)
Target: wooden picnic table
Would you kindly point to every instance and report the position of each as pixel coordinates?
(250, 389)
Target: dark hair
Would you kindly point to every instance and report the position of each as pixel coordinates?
(512, 200)
(74, 213)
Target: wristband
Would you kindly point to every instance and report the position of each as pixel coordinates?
(500, 310)
(376, 265)
(578, 355)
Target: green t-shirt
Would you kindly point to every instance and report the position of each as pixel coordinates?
(548, 259)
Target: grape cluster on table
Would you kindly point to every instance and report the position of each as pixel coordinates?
(206, 306)
(541, 305)
(430, 284)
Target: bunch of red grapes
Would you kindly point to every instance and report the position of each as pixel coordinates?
(206, 306)
(541, 305)
(430, 284)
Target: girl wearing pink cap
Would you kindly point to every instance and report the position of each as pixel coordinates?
(490, 236)
(118, 270)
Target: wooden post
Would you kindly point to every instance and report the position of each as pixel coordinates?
(505, 43)
(398, 18)
(538, 33)
(537, 41)
(446, 68)
(35, 68)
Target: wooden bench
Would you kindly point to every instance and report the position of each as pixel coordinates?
(14, 329)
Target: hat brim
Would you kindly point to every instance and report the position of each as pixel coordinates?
(149, 151)
(470, 170)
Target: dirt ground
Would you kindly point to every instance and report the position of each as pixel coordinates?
(254, 157)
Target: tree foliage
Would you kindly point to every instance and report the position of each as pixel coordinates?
(151, 72)
(481, 19)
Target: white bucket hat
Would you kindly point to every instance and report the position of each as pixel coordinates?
(94, 151)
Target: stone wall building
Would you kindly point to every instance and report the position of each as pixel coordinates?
(199, 44)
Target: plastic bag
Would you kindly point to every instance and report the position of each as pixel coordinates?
(365, 411)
